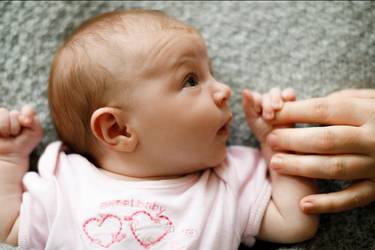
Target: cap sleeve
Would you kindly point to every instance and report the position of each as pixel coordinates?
(245, 173)
(39, 201)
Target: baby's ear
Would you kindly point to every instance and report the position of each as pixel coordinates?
(110, 127)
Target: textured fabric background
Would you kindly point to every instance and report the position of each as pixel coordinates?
(314, 47)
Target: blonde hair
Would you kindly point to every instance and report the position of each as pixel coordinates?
(79, 83)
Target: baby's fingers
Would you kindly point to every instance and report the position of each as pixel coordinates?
(251, 102)
(32, 130)
(29, 120)
(271, 102)
(15, 126)
(288, 95)
(267, 107)
(4, 123)
(276, 100)
(27, 116)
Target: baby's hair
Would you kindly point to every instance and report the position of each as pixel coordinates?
(81, 79)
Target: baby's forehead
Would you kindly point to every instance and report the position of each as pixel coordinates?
(152, 51)
(132, 51)
(168, 49)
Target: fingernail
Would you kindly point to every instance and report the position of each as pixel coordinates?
(277, 162)
(308, 206)
(272, 141)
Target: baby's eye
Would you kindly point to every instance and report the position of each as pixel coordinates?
(191, 80)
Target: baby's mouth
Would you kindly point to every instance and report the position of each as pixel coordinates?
(224, 130)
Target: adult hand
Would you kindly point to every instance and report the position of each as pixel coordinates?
(344, 150)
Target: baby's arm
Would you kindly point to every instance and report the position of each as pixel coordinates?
(20, 132)
(284, 220)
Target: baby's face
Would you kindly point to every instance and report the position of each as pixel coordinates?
(181, 112)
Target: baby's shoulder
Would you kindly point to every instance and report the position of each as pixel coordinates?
(239, 162)
(48, 160)
(57, 157)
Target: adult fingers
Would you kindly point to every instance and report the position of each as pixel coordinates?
(288, 95)
(321, 140)
(358, 93)
(329, 111)
(339, 167)
(358, 194)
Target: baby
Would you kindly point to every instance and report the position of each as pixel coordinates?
(143, 162)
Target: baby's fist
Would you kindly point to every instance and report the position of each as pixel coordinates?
(261, 109)
(20, 131)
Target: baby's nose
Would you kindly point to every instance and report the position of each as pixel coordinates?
(222, 94)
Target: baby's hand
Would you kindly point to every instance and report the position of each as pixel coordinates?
(20, 133)
(261, 109)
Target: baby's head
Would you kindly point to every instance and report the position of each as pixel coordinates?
(136, 87)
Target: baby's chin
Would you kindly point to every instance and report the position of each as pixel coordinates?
(210, 163)
(218, 158)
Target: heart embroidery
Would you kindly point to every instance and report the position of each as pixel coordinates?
(149, 230)
(104, 230)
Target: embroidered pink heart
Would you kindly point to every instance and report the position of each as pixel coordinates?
(149, 230)
(104, 230)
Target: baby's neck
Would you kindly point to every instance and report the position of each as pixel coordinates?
(130, 178)
(137, 167)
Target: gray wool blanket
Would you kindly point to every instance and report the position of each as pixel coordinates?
(314, 47)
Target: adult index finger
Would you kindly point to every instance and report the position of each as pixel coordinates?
(358, 93)
(328, 111)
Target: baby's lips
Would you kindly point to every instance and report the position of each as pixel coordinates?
(230, 118)
(224, 129)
